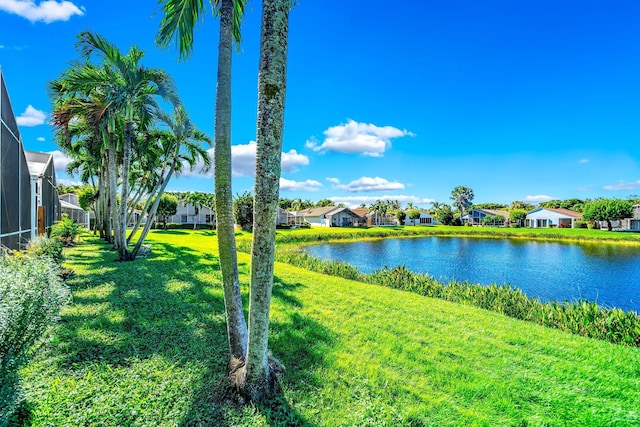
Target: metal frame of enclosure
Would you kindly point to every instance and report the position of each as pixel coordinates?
(15, 179)
(26, 190)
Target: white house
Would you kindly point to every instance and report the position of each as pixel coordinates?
(633, 223)
(331, 216)
(425, 219)
(188, 214)
(550, 217)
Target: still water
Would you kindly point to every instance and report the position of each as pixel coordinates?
(606, 274)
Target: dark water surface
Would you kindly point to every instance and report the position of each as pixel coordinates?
(606, 274)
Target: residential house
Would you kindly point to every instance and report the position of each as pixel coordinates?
(186, 213)
(476, 216)
(331, 216)
(633, 223)
(425, 219)
(71, 207)
(551, 217)
(43, 177)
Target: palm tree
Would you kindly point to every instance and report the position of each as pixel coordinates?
(131, 92)
(462, 198)
(180, 17)
(180, 144)
(272, 83)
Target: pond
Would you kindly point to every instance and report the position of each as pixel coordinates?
(606, 274)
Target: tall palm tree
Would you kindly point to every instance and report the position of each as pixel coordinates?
(178, 145)
(272, 83)
(180, 17)
(131, 92)
(462, 198)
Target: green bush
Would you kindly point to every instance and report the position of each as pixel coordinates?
(31, 295)
(42, 246)
(66, 230)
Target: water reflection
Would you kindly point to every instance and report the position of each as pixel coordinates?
(607, 274)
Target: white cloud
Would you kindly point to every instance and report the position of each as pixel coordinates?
(622, 186)
(370, 184)
(333, 180)
(292, 159)
(40, 138)
(358, 138)
(46, 11)
(539, 198)
(243, 161)
(582, 161)
(68, 182)
(31, 117)
(308, 185)
(355, 201)
(60, 161)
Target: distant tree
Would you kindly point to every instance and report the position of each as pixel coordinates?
(243, 210)
(324, 203)
(492, 206)
(607, 210)
(518, 216)
(401, 215)
(553, 204)
(285, 204)
(167, 207)
(462, 198)
(413, 215)
(521, 205)
(493, 220)
(576, 205)
(444, 214)
(362, 206)
(379, 209)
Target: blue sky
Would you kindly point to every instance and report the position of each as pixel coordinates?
(517, 100)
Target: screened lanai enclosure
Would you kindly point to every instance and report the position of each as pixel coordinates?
(28, 196)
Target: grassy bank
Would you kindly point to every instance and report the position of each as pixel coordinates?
(144, 343)
(563, 234)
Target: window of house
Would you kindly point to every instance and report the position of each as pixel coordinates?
(183, 218)
(426, 220)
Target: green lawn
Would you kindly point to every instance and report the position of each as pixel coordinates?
(144, 343)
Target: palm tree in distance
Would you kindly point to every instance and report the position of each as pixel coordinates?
(180, 17)
(462, 198)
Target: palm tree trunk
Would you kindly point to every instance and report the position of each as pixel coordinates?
(236, 323)
(124, 194)
(144, 209)
(152, 212)
(271, 100)
(113, 213)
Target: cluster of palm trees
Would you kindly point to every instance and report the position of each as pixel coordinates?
(107, 118)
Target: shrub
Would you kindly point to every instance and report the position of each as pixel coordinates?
(31, 295)
(42, 246)
(66, 230)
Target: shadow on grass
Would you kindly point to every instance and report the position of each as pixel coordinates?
(165, 305)
(296, 341)
(131, 311)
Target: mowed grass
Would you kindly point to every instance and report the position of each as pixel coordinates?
(144, 343)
